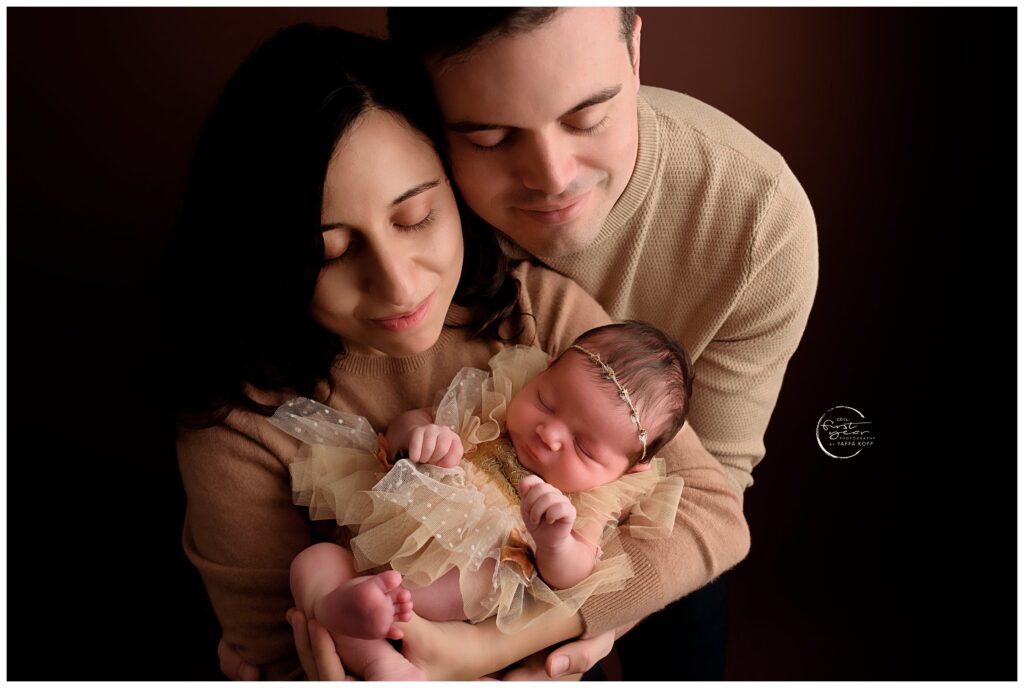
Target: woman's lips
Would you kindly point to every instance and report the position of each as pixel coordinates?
(405, 321)
(560, 214)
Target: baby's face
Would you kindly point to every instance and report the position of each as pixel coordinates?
(572, 429)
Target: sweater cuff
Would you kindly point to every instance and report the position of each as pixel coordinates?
(608, 611)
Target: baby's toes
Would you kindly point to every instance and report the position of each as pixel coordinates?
(389, 580)
(403, 611)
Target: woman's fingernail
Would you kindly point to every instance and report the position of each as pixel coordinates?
(559, 665)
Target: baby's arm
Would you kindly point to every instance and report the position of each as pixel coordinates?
(563, 557)
(427, 443)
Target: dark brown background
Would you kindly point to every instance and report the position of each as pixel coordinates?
(900, 563)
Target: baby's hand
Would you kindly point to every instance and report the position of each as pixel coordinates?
(547, 512)
(435, 444)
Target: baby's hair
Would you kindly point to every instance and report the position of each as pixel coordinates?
(656, 371)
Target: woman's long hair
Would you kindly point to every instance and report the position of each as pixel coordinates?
(244, 259)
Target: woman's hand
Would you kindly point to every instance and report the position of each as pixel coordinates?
(233, 666)
(319, 658)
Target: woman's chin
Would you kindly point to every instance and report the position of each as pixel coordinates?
(410, 344)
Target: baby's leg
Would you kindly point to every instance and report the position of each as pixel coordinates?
(358, 611)
(442, 599)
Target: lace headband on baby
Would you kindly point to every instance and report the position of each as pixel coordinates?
(623, 394)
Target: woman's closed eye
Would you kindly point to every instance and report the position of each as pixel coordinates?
(420, 224)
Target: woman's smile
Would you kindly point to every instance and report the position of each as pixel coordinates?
(407, 320)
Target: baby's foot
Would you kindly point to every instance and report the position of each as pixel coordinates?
(371, 605)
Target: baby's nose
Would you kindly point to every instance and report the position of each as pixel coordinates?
(549, 436)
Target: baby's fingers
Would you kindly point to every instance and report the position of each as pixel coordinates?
(429, 445)
(561, 511)
(454, 454)
(528, 483)
(543, 503)
(416, 445)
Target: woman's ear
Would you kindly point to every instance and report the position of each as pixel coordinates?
(639, 467)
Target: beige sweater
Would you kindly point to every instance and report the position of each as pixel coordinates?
(242, 530)
(714, 241)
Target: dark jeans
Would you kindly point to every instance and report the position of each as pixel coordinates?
(684, 641)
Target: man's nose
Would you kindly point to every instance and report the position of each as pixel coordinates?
(548, 162)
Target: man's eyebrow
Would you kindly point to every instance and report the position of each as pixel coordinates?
(601, 96)
(414, 191)
(604, 95)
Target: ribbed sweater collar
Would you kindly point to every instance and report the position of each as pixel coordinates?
(647, 159)
(379, 366)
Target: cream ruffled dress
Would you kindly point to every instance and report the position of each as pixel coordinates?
(424, 520)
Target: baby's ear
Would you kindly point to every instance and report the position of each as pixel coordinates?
(639, 467)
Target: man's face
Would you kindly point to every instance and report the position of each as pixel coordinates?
(542, 127)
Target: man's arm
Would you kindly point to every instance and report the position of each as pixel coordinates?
(738, 376)
(710, 536)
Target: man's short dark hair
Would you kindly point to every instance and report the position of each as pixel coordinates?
(441, 33)
(657, 372)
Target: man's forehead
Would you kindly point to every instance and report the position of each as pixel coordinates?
(543, 72)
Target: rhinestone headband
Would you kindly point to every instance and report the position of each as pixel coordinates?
(609, 373)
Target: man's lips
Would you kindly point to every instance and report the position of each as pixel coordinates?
(407, 320)
(557, 213)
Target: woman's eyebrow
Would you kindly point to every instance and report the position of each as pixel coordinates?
(415, 191)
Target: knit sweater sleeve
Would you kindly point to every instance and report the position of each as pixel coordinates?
(738, 376)
(241, 532)
(710, 534)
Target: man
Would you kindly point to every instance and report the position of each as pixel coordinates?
(663, 208)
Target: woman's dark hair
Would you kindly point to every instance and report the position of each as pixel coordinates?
(653, 367)
(242, 264)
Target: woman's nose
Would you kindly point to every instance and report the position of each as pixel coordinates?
(549, 434)
(394, 281)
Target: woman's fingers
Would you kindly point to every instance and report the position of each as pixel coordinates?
(233, 666)
(300, 634)
(328, 663)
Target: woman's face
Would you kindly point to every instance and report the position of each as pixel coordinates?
(392, 240)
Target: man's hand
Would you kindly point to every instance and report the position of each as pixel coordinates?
(435, 444)
(548, 514)
(567, 663)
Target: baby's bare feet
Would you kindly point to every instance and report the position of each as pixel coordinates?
(371, 605)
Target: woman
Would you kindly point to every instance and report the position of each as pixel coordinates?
(321, 254)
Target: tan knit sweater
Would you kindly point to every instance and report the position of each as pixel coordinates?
(714, 241)
(242, 530)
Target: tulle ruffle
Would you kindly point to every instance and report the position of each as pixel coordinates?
(424, 520)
